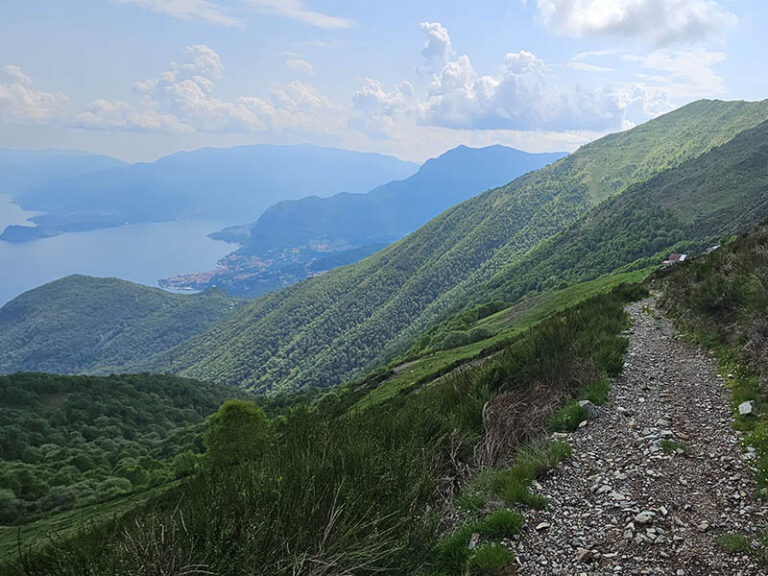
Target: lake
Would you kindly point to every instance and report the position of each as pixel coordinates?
(142, 253)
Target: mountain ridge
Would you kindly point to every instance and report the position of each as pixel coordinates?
(323, 331)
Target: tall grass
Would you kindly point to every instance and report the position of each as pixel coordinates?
(349, 494)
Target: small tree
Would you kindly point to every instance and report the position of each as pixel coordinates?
(237, 433)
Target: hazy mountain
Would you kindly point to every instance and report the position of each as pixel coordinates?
(21, 170)
(294, 239)
(227, 184)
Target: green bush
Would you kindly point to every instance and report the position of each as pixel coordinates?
(237, 433)
(489, 560)
(453, 551)
(501, 524)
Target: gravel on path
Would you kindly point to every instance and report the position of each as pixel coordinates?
(656, 478)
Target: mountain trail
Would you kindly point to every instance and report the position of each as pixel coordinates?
(656, 478)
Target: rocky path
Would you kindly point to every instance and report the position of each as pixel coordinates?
(625, 505)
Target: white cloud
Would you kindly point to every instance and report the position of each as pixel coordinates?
(683, 74)
(119, 115)
(188, 10)
(378, 112)
(587, 67)
(522, 96)
(182, 99)
(300, 66)
(20, 102)
(296, 10)
(660, 22)
(437, 48)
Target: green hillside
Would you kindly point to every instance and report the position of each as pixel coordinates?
(358, 491)
(72, 441)
(99, 325)
(721, 193)
(323, 331)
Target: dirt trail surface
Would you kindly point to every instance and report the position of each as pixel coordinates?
(624, 505)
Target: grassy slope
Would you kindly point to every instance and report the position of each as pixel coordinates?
(718, 194)
(505, 326)
(83, 324)
(323, 331)
(68, 524)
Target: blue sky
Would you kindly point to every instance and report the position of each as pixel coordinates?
(139, 79)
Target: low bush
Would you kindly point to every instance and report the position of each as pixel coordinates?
(490, 560)
(501, 524)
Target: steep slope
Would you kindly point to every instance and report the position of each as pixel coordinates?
(99, 325)
(229, 184)
(322, 331)
(721, 193)
(289, 241)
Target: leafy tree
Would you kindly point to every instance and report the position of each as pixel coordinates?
(237, 433)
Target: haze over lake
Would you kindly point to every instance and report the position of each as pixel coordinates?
(142, 253)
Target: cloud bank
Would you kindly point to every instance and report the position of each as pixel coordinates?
(658, 22)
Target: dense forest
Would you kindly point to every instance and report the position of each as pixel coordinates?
(70, 441)
(324, 331)
(100, 325)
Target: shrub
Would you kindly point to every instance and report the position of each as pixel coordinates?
(501, 524)
(237, 433)
(490, 560)
(453, 551)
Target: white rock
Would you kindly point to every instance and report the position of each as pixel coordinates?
(745, 408)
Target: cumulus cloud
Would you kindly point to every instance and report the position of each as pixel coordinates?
(683, 74)
(522, 96)
(377, 111)
(182, 99)
(21, 102)
(660, 22)
(296, 10)
(300, 66)
(188, 10)
(437, 48)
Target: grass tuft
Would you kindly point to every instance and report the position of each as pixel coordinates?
(501, 524)
(490, 560)
(733, 542)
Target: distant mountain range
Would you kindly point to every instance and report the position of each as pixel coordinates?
(296, 239)
(229, 184)
(22, 170)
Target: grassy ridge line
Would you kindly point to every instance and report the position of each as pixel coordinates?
(717, 194)
(355, 491)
